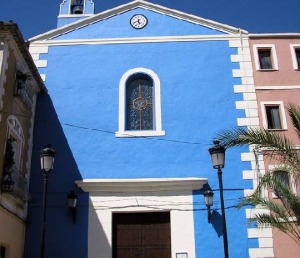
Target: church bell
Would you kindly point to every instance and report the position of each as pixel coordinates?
(77, 7)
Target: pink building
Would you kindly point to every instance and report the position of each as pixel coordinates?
(276, 70)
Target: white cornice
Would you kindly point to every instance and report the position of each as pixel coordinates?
(266, 149)
(133, 5)
(141, 185)
(133, 40)
(280, 87)
(23, 64)
(189, 17)
(274, 35)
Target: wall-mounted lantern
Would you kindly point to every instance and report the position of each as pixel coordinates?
(72, 203)
(209, 198)
(181, 255)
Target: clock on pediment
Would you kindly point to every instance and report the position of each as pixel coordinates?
(138, 21)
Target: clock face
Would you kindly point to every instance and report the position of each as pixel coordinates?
(138, 21)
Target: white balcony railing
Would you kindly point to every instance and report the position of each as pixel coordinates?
(23, 89)
(15, 183)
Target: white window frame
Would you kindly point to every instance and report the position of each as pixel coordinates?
(282, 114)
(293, 48)
(274, 59)
(282, 167)
(14, 130)
(157, 131)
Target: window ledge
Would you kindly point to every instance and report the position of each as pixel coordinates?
(277, 130)
(141, 185)
(267, 70)
(139, 133)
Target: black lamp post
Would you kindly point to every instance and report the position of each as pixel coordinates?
(72, 203)
(47, 159)
(209, 198)
(217, 153)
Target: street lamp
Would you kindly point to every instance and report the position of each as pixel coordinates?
(217, 153)
(47, 159)
(72, 203)
(209, 198)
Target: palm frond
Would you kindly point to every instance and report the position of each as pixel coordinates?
(294, 113)
(284, 212)
(265, 220)
(278, 218)
(290, 202)
(284, 215)
(274, 145)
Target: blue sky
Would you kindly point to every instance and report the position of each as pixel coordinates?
(35, 17)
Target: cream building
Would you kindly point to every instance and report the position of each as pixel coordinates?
(20, 83)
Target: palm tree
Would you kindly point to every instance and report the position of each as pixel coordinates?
(283, 215)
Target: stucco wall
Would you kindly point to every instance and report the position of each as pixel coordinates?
(12, 234)
(286, 74)
(279, 86)
(83, 69)
(286, 96)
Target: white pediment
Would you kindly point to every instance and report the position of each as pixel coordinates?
(108, 14)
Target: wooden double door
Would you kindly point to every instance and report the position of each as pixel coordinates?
(141, 235)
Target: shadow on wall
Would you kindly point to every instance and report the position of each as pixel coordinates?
(215, 216)
(216, 221)
(63, 238)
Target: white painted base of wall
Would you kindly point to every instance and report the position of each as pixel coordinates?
(181, 215)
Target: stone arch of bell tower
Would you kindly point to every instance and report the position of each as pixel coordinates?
(76, 7)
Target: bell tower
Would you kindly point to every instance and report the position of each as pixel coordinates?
(72, 10)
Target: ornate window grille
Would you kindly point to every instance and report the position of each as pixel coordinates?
(15, 183)
(13, 180)
(24, 90)
(139, 104)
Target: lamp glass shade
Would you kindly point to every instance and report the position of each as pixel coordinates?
(209, 198)
(72, 199)
(72, 203)
(217, 154)
(181, 255)
(47, 163)
(218, 159)
(47, 158)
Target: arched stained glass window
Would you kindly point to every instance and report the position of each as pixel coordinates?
(139, 103)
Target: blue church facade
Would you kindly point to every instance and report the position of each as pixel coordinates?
(136, 94)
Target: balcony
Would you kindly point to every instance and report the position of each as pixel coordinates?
(15, 183)
(23, 89)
